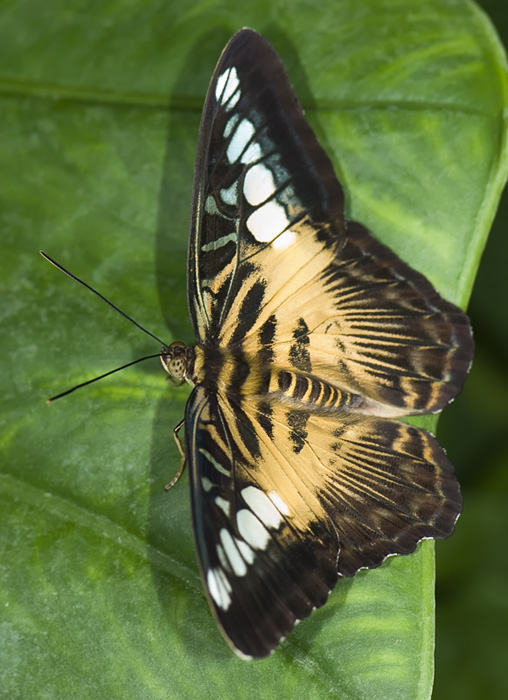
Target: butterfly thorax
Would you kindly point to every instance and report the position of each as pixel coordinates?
(233, 371)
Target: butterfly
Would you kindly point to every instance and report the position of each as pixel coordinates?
(312, 338)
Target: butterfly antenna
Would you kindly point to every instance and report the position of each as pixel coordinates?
(106, 374)
(96, 379)
(76, 279)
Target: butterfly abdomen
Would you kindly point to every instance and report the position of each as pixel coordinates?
(250, 376)
(308, 392)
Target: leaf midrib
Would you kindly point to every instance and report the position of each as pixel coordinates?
(56, 92)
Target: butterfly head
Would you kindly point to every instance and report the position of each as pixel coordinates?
(174, 359)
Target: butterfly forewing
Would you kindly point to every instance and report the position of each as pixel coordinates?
(259, 171)
(268, 235)
(311, 338)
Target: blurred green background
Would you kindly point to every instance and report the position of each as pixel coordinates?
(472, 567)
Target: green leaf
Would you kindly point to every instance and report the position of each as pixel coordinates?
(100, 103)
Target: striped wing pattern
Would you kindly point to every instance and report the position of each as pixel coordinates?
(275, 527)
(312, 337)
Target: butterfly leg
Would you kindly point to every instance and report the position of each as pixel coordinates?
(182, 457)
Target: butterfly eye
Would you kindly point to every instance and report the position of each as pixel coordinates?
(174, 359)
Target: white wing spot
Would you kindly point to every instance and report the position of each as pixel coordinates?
(232, 122)
(222, 558)
(259, 184)
(267, 222)
(210, 205)
(245, 551)
(284, 240)
(251, 529)
(281, 506)
(214, 462)
(224, 505)
(262, 506)
(243, 134)
(252, 153)
(234, 557)
(230, 195)
(219, 588)
(227, 86)
(219, 243)
(206, 484)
